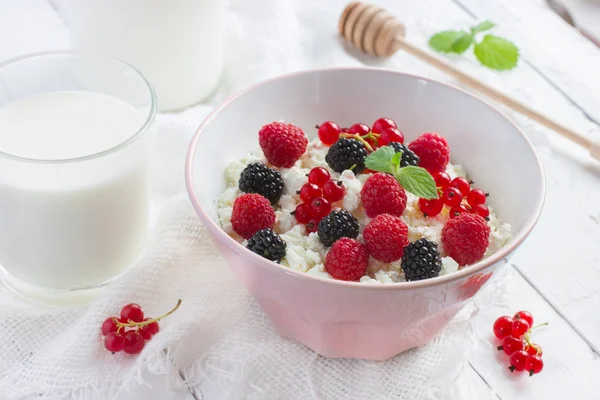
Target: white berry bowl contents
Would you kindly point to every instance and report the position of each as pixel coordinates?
(362, 241)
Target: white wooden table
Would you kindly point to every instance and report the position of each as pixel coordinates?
(556, 273)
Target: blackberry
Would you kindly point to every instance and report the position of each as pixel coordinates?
(268, 244)
(258, 178)
(347, 154)
(408, 157)
(421, 260)
(336, 225)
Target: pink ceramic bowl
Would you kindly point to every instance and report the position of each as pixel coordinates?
(349, 319)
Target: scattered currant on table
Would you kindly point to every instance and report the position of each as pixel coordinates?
(129, 332)
(534, 364)
(515, 335)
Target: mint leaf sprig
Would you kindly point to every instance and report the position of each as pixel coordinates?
(492, 51)
(416, 180)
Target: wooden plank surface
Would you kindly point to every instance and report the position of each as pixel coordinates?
(556, 273)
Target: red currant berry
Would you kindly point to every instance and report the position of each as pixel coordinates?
(510, 344)
(534, 349)
(431, 208)
(503, 327)
(359, 129)
(309, 191)
(461, 184)
(534, 365)
(312, 225)
(345, 130)
(334, 191)
(480, 210)
(303, 213)
(476, 196)
(526, 315)
(382, 124)
(147, 331)
(114, 342)
(134, 342)
(320, 207)
(519, 327)
(329, 133)
(441, 179)
(132, 312)
(452, 197)
(319, 176)
(456, 211)
(390, 135)
(517, 360)
(109, 326)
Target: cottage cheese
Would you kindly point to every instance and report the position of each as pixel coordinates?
(306, 253)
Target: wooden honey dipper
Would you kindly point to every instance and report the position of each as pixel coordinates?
(375, 31)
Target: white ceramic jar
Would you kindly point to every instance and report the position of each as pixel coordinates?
(177, 44)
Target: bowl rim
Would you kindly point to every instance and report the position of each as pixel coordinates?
(440, 280)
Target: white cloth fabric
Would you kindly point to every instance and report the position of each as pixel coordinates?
(219, 334)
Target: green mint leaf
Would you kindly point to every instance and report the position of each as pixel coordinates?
(482, 27)
(417, 181)
(381, 160)
(461, 44)
(396, 159)
(497, 53)
(443, 41)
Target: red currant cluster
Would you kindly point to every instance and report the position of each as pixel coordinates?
(317, 195)
(130, 330)
(383, 131)
(515, 336)
(458, 195)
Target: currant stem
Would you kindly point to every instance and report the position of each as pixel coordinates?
(359, 138)
(130, 323)
(526, 335)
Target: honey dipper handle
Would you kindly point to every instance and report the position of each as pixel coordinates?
(500, 97)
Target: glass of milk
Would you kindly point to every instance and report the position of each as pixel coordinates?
(75, 140)
(177, 44)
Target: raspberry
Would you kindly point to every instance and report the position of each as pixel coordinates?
(336, 225)
(466, 238)
(408, 157)
(258, 178)
(268, 244)
(385, 237)
(251, 213)
(347, 260)
(382, 194)
(433, 150)
(282, 144)
(347, 154)
(421, 260)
